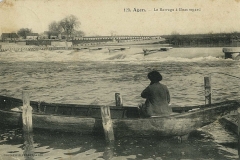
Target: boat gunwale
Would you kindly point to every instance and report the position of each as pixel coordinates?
(71, 105)
(189, 109)
(176, 115)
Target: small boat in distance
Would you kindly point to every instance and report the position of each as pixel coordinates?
(127, 121)
(112, 49)
(232, 52)
(80, 48)
(161, 49)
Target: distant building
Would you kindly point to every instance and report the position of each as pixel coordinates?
(9, 36)
(50, 35)
(32, 36)
(53, 35)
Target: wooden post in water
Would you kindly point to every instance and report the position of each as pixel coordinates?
(118, 99)
(208, 91)
(26, 112)
(107, 123)
(238, 112)
(28, 145)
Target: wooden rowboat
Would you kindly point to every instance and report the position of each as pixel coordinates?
(126, 120)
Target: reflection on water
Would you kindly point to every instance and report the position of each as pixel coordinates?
(42, 144)
(28, 146)
(109, 151)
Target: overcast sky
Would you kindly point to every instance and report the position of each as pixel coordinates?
(101, 17)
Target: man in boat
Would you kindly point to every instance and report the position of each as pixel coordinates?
(157, 97)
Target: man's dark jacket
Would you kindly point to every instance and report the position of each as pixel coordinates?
(157, 99)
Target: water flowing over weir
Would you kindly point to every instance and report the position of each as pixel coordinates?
(134, 54)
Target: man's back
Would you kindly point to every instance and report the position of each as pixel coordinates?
(157, 99)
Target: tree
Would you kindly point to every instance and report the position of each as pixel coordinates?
(23, 32)
(69, 24)
(55, 27)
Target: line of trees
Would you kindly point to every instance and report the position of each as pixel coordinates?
(210, 39)
(68, 27)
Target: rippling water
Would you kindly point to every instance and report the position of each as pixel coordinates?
(92, 77)
(211, 142)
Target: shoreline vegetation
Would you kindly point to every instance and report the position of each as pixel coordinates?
(204, 40)
(174, 40)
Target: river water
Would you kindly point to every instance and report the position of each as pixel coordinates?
(93, 77)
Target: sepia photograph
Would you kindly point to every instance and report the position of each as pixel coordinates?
(119, 79)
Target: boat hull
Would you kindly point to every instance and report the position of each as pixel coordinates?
(177, 124)
(230, 122)
(52, 122)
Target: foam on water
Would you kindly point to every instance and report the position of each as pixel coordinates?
(129, 55)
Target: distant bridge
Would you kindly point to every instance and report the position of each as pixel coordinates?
(112, 38)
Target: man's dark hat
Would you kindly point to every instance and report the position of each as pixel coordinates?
(154, 76)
